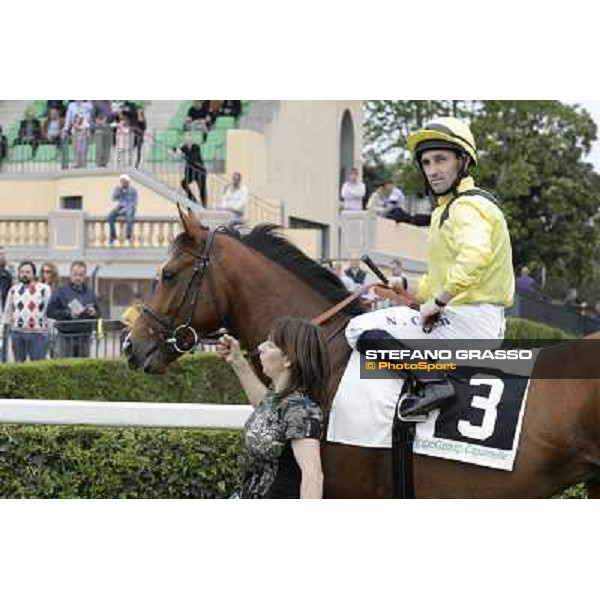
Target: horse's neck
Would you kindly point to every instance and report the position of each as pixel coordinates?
(261, 296)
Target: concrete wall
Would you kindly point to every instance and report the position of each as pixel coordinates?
(297, 158)
(404, 241)
(39, 196)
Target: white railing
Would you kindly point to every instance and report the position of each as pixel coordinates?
(123, 414)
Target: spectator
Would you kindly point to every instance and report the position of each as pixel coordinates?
(139, 131)
(30, 131)
(595, 316)
(102, 108)
(51, 278)
(349, 284)
(353, 192)
(128, 109)
(75, 308)
(235, 198)
(53, 126)
(571, 298)
(50, 275)
(397, 278)
(25, 314)
(103, 135)
(525, 283)
(78, 107)
(231, 108)
(214, 110)
(57, 105)
(6, 279)
(3, 147)
(133, 311)
(388, 201)
(355, 273)
(124, 141)
(126, 197)
(80, 134)
(198, 116)
(194, 169)
(129, 316)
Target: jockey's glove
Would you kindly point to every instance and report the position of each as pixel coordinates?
(430, 309)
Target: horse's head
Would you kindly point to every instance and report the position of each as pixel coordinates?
(188, 301)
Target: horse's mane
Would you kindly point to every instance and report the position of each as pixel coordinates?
(269, 241)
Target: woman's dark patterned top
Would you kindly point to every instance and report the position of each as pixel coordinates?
(271, 469)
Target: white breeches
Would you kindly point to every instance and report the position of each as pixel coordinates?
(465, 322)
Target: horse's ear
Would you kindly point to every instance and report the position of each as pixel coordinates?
(190, 223)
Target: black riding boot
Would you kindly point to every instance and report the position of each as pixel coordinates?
(430, 393)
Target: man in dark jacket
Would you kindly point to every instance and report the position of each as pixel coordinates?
(194, 169)
(3, 148)
(6, 281)
(30, 131)
(75, 308)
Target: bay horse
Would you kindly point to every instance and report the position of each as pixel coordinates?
(219, 278)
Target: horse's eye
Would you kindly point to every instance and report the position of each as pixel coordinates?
(168, 275)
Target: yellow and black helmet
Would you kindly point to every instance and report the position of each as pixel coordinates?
(444, 133)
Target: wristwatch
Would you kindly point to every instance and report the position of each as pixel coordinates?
(439, 303)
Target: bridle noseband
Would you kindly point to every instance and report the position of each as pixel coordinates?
(184, 338)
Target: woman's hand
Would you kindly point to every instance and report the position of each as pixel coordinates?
(228, 348)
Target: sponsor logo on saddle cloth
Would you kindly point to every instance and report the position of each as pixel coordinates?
(481, 427)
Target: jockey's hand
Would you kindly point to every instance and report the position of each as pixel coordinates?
(429, 312)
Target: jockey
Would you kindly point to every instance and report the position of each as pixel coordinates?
(470, 277)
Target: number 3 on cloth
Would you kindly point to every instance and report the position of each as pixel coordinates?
(488, 404)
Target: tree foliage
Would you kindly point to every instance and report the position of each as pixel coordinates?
(532, 156)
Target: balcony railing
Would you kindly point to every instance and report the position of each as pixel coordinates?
(23, 231)
(29, 231)
(148, 232)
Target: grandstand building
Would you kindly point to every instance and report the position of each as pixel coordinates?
(293, 157)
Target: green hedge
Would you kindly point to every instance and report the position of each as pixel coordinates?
(200, 378)
(96, 462)
(89, 462)
(523, 329)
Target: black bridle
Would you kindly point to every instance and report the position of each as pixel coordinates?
(184, 338)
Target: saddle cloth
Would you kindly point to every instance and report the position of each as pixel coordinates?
(481, 427)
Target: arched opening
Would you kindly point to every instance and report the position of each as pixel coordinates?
(346, 146)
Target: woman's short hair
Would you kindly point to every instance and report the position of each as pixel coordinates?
(304, 345)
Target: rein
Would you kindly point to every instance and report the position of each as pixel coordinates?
(183, 338)
(404, 298)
